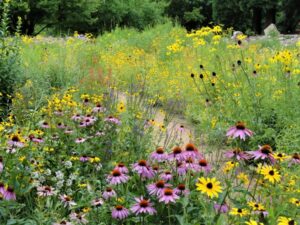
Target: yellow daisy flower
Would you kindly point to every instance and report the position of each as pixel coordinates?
(209, 186)
(270, 174)
(256, 206)
(295, 201)
(253, 222)
(285, 221)
(280, 156)
(239, 212)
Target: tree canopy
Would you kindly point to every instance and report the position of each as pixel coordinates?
(97, 16)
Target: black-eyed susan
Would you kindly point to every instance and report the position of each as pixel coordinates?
(271, 174)
(255, 206)
(239, 212)
(253, 222)
(295, 201)
(209, 186)
(285, 221)
(280, 156)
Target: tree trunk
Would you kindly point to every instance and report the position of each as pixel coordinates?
(256, 20)
(270, 16)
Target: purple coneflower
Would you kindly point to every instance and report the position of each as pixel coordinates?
(78, 218)
(122, 168)
(68, 131)
(166, 176)
(191, 152)
(109, 193)
(176, 154)
(143, 169)
(113, 120)
(67, 201)
(264, 152)
(181, 190)
(98, 108)
(119, 212)
(143, 206)
(76, 117)
(237, 154)
(159, 155)
(9, 194)
(157, 188)
(116, 177)
(221, 208)
(45, 125)
(239, 130)
(204, 166)
(45, 191)
(61, 125)
(190, 165)
(97, 202)
(181, 168)
(155, 169)
(168, 196)
(80, 140)
(295, 159)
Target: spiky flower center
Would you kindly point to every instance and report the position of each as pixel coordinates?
(271, 172)
(203, 162)
(240, 126)
(168, 192)
(209, 185)
(119, 207)
(160, 184)
(266, 149)
(177, 150)
(190, 148)
(144, 203)
(142, 162)
(116, 173)
(160, 150)
(181, 187)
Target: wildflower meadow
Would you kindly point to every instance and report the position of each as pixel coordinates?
(161, 126)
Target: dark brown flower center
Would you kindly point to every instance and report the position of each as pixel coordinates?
(142, 163)
(160, 150)
(168, 192)
(108, 189)
(160, 184)
(67, 199)
(292, 222)
(15, 138)
(47, 188)
(240, 126)
(209, 185)
(177, 150)
(119, 207)
(190, 148)
(203, 162)
(10, 189)
(181, 187)
(121, 165)
(240, 210)
(144, 203)
(155, 168)
(266, 149)
(296, 156)
(271, 172)
(116, 173)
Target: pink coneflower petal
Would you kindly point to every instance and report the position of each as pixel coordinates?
(119, 212)
(143, 206)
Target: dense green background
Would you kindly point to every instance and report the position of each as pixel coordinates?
(98, 16)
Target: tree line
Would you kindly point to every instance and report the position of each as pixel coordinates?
(98, 16)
